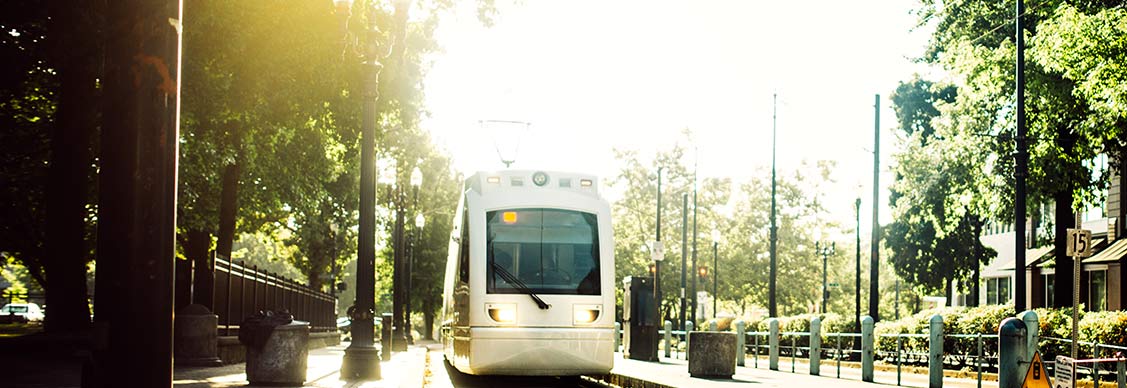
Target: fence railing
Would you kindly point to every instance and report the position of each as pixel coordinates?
(978, 351)
(242, 290)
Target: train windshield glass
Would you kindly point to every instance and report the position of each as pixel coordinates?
(551, 251)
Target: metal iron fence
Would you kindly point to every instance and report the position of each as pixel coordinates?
(240, 291)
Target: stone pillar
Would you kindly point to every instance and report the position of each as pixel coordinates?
(283, 360)
(712, 354)
(1011, 353)
(688, 329)
(196, 338)
(935, 352)
(741, 346)
(867, 349)
(711, 325)
(773, 343)
(816, 346)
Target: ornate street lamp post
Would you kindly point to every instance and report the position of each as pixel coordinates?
(361, 358)
(825, 251)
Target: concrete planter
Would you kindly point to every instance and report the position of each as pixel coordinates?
(283, 360)
(196, 338)
(712, 354)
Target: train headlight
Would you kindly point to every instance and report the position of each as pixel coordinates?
(502, 312)
(586, 313)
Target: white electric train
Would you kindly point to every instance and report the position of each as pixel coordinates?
(530, 278)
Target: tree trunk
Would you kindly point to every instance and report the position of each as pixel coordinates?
(949, 292)
(1062, 280)
(428, 319)
(228, 207)
(77, 59)
(197, 247)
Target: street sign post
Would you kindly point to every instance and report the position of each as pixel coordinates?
(1065, 372)
(657, 252)
(1079, 243)
(1079, 246)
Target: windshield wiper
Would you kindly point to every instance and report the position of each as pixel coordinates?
(505, 274)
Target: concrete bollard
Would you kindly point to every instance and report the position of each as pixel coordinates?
(1032, 330)
(385, 337)
(617, 335)
(935, 352)
(712, 354)
(741, 345)
(1012, 356)
(816, 346)
(711, 325)
(688, 329)
(668, 338)
(773, 343)
(867, 349)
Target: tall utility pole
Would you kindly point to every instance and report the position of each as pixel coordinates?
(693, 309)
(773, 306)
(657, 242)
(857, 274)
(874, 258)
(684, 253)
(137, 194)
(1021, 157)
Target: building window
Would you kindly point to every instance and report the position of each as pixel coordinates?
(1097, 290)
(998, 290)
(991, 291)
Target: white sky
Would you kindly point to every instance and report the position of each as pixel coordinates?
(591, 76)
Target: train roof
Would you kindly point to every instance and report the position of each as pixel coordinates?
(485, 181)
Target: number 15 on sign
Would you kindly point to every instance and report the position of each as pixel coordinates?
(1079, 243)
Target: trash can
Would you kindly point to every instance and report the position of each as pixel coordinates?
(277, 353)
(640, 313)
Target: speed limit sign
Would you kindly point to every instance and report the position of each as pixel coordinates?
(1079, 243)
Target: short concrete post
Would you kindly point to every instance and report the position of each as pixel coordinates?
(617, 335)
(1011, 353)
(668, 338)
(867, 349)
(773, 343)
(688, 329)
(711, 325)
(935, 352)
(816, 346)
(385, 338)
(1032, 330)
(741, 338)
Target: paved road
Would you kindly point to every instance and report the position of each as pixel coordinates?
(440, 376)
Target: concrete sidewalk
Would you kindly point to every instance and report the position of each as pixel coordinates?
(406, 369)
(675, 373)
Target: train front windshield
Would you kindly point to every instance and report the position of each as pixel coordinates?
(550, 251)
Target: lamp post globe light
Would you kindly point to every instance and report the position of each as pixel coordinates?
(361, 358)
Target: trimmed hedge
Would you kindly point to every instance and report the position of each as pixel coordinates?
(1104, 327)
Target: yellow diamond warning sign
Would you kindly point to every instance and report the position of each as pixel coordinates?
(1036, 377)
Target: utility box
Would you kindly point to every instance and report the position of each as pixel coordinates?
(639, 310)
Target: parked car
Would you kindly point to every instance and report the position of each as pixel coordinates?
(21, 312)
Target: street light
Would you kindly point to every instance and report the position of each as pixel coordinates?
(361, 358)
(416, 181)
(715, 270)
(857, 290)
(825, 251)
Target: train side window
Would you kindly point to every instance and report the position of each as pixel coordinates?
(464, 250)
